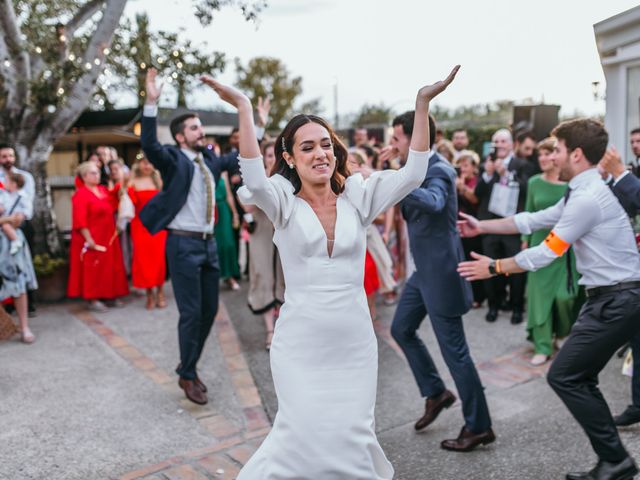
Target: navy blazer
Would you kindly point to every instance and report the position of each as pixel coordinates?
(177, 172)
(627, 191)
(431, 212)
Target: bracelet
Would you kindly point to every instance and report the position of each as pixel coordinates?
(499, 270)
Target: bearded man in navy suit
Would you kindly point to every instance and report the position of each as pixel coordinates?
(436, 289)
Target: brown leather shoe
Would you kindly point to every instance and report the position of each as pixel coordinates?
(200, 385)
(197, 381)
(468, 440)
(192, 391)
(433, 407)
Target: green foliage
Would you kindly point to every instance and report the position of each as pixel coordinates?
(250, 10)
(136, 48)
(371, 115)
(311, 107)
(268, 77)
(45, 265)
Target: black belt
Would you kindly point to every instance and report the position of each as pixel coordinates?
(187, 233)
(595, 291)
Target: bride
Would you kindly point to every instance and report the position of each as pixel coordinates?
(324, 356)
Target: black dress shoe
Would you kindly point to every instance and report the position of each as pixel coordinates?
(630, 416)
(467, 440)
(433, 407)
(492, 315)
(624, 470)
(516, 317)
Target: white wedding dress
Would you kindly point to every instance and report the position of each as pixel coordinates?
(324, 355)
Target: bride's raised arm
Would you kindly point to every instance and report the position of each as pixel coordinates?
(420, 135)
(386, 188)
(249, 148)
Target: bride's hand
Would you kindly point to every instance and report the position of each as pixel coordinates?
(429, 92)
(227, 93)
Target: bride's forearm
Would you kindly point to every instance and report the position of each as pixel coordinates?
(420, 135)
(249, 147)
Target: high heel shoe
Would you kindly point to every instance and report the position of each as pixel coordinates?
(161, 303)
(151, 302)
(27, 336)
(269, 339)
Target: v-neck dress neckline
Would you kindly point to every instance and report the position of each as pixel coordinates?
(319, 223)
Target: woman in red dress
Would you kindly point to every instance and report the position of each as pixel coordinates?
(96, 268)
(148, 268)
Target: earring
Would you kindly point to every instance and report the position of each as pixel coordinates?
(291, 166)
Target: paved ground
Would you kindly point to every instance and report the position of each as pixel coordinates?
(96, 398)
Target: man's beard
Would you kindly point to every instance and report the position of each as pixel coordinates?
(565, 175)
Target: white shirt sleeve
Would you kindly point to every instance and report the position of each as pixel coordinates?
(528, 222)
(620, 177)
(150, 110)
(580, 214)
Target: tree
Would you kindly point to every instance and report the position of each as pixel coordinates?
(135, 49)
(373, 115)
(268, 77)
(52, 54)
(312, 107)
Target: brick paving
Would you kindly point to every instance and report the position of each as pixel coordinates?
(232, 443)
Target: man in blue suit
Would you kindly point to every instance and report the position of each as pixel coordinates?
(185, 208)
(626, 187)
(436, 288)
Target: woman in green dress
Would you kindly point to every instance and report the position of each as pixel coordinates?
(227, 220)
(551, 307)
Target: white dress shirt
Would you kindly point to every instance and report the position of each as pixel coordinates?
(594, 222)
(192, 216)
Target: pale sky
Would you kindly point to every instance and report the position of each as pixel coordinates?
(384, 51)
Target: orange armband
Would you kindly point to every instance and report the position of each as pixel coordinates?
(556, 244)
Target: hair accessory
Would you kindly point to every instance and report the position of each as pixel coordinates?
(284, 148)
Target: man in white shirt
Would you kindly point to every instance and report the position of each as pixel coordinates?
(592, 220)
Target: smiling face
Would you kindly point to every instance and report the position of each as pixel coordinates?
(91, 176)
(562, 159)
(400, 141)
(192, 135)
(312, 154)
(545, 160)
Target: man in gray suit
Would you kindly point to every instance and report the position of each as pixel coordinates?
(436, 288)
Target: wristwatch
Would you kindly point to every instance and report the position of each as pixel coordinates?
(492, 268)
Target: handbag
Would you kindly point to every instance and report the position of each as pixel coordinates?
(126, 211)
(7, 327)
(504, 199)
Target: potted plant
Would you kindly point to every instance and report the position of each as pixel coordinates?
(52, 276)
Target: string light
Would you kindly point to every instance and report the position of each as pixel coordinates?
(170, 80)
(174, 75)
(176, 53)
(46, 74)
(160, 60)
(63, 38)
(106, 51)
(101, 102)
(182, 49)
(97, 61)
(134, 50)
(38, 50)
(60, 91)
(51, 108)
(72, 57)
(179, 64)
(143, 65)
(142, 93)
(87, 66)
(7, 63)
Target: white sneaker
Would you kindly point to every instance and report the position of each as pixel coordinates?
(539, 359)
(15, 246)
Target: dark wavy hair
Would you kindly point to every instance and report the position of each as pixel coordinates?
(281, 166)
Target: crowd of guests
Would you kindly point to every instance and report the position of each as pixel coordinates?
(110, 245)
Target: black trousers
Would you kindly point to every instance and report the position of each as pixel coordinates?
(605, 323)
(195, 277)
(504, 246)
